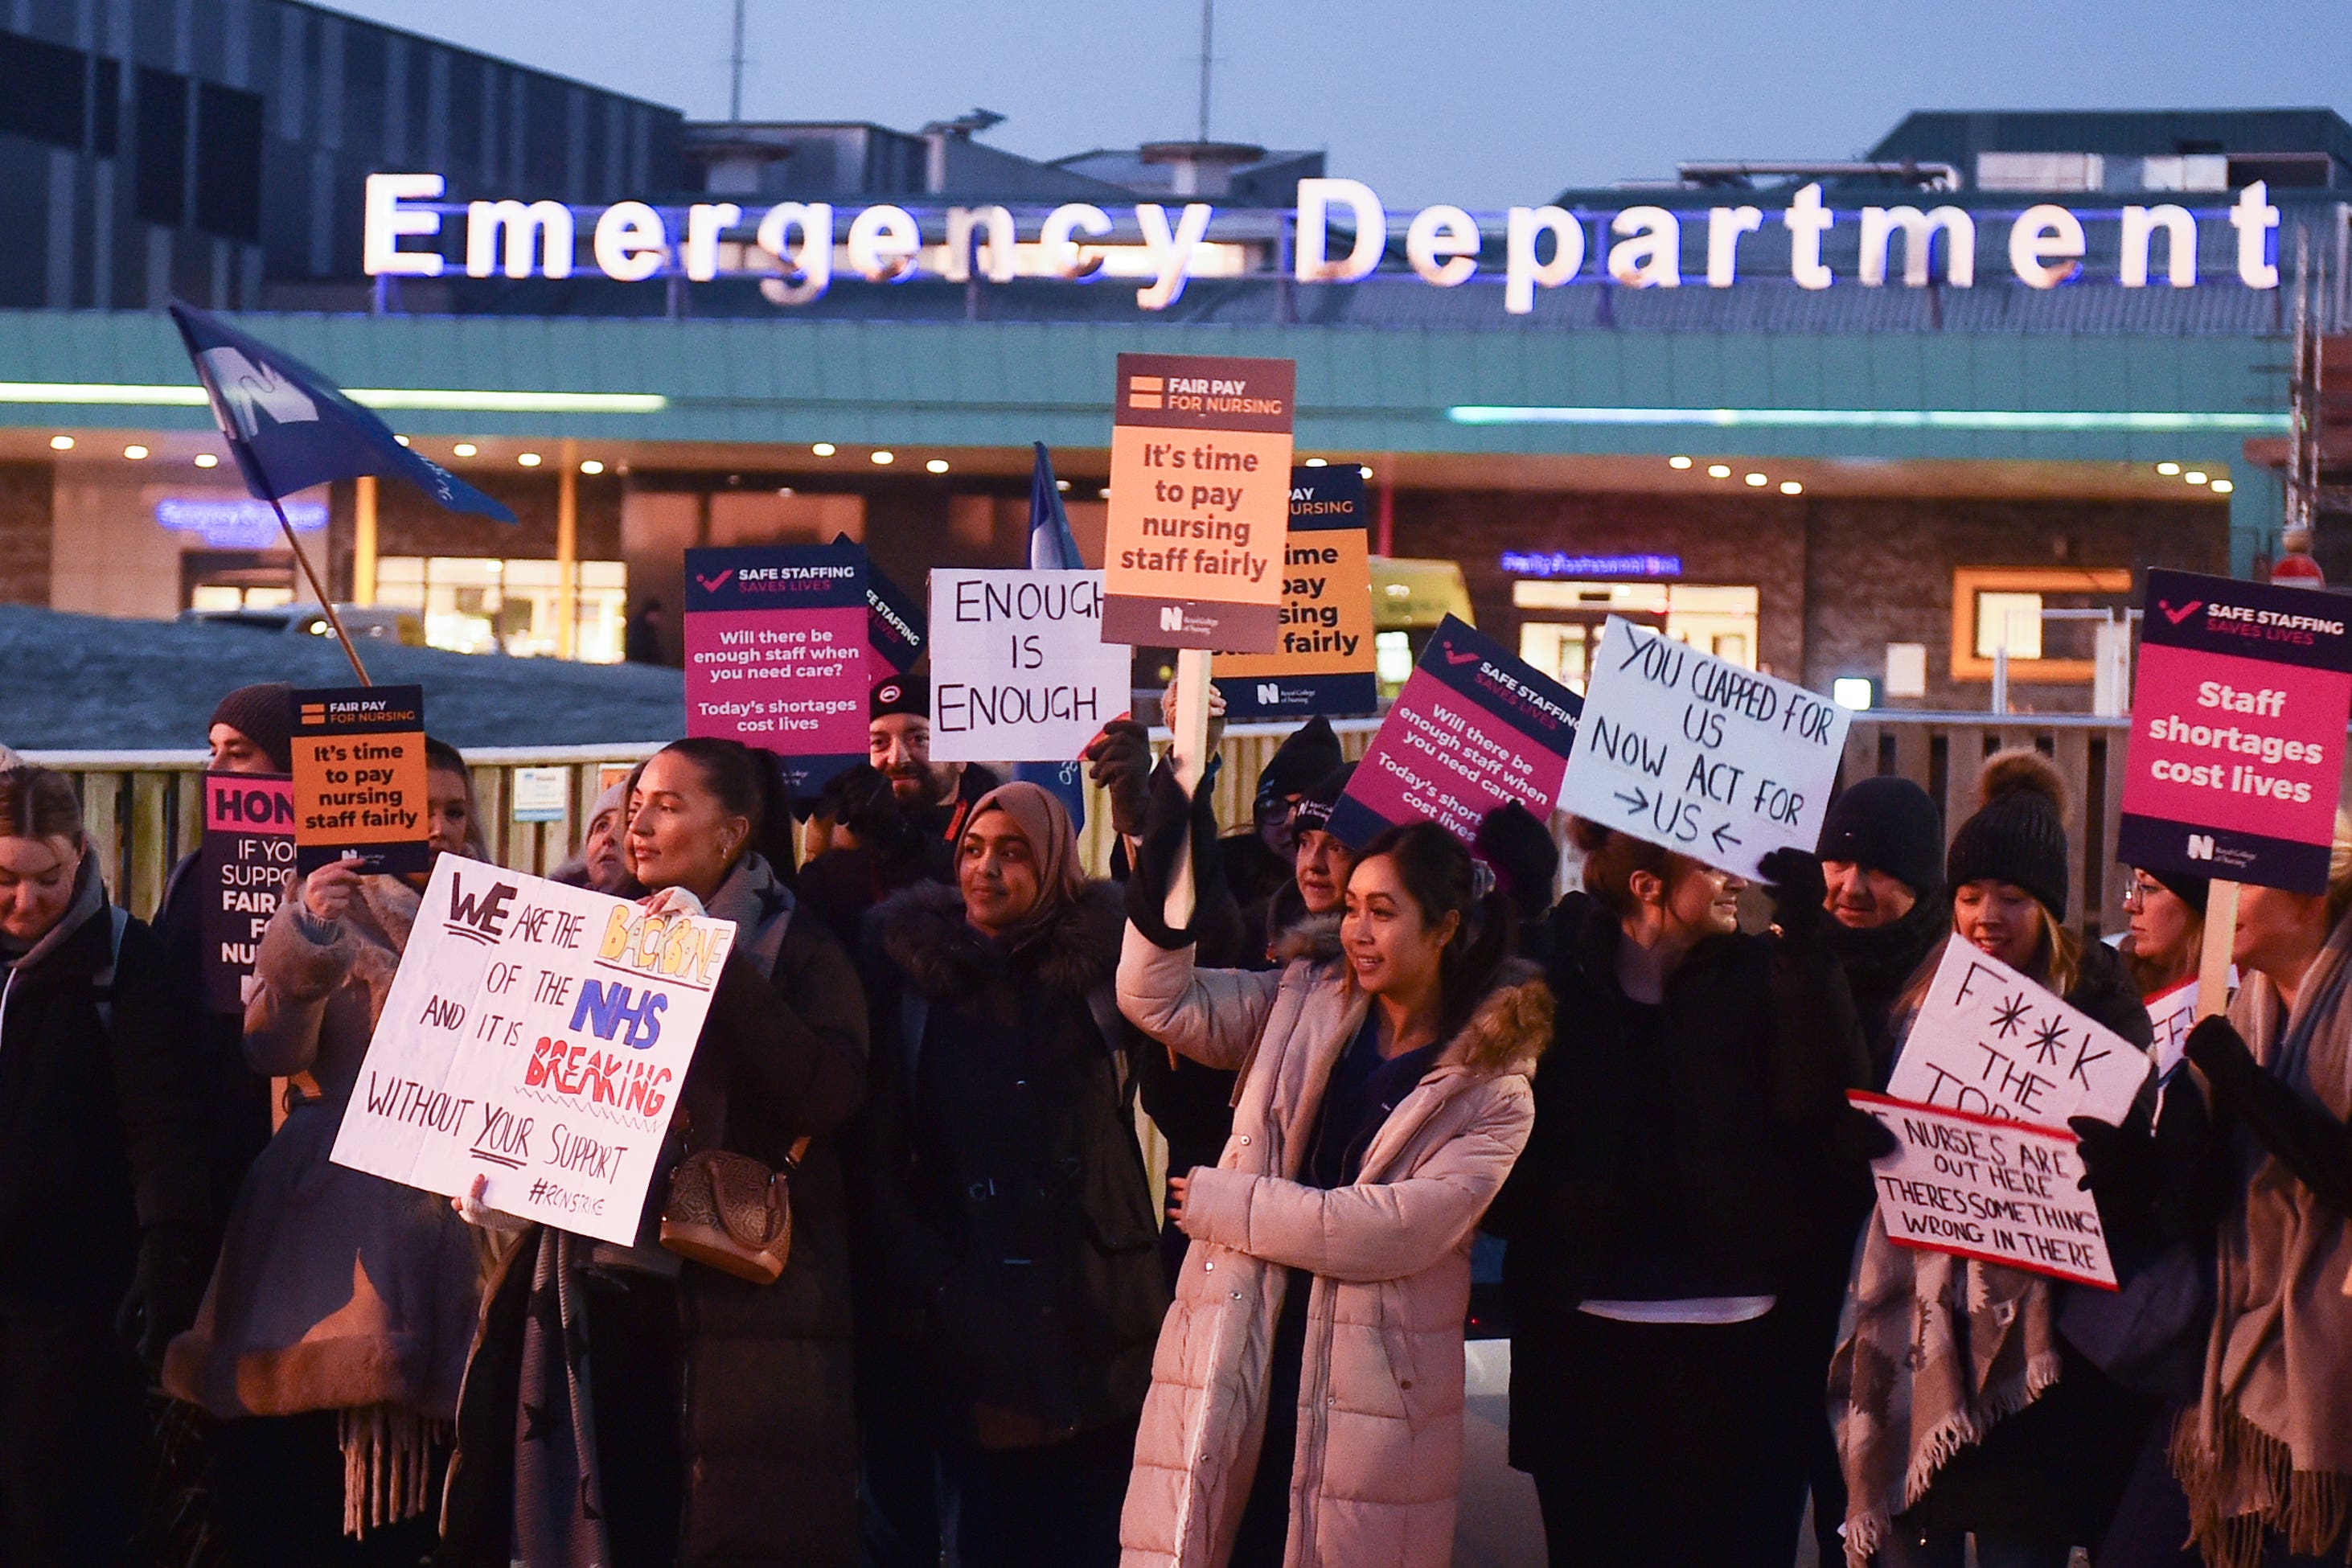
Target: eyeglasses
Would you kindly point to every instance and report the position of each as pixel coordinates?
(2137, 891)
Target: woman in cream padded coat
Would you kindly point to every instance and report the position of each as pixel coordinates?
(1385, 1092)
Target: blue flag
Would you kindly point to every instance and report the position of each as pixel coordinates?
(1052, 548)
(288, 427)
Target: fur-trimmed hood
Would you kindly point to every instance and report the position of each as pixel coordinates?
(1510, 1028)
(923, 932)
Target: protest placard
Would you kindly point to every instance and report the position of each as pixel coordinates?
(894, 622)
(1990, 1189)
(536, 1034)
(2237, 733)
(1474, 727)
(1325, 662)
(359, 778)
(242, 874)
(1702, 755)
(777, 654)
(2172, 1012)
(1200, 500)
(1020, 672)
(1990, 1042)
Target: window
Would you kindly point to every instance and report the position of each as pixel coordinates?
(229, 161)
(1988, 600)
(41, 87)
(162, 194)
(481, 605)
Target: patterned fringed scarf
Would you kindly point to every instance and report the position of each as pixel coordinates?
(2269, 1446)
(559, 1509)
(389, 1452)
(1942, 1350)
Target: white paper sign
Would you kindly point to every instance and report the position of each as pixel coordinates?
(2172, 1013)
(1019, 670)
(536, 1034)
(1985, 1188)
(1700, 755)
(1992, 1042)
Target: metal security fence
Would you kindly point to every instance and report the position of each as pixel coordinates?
(141, 807)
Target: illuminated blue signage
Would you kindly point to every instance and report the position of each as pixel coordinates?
(237, 523)
(1523, 563)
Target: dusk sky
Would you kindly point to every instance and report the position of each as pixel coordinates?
(1479, 102)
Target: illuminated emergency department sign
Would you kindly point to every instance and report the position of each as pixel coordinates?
(794, 247)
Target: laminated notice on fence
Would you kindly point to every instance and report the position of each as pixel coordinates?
(1019, 670)
(536, 1034)
(1699, 755)
(1990, 1042)
(1982, 1187)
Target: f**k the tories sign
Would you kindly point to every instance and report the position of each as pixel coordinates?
(1019, 670)
(1474, 727)
(2237, 734)
(1990, 1189)
(1992, 1043)
(536, 1034)
(777, 654)
(1699, 755)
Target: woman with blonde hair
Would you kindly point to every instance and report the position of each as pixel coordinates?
(2265, 1456)
(1961, 1408)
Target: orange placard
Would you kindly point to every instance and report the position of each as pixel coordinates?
(1200, 502)
(359, 777)
(1325, 662)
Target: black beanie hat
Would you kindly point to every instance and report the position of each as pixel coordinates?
(2019, 834)
(1887, 823)
(263, 714)
(1526, 861)
(2194, 891)
(1302, 761)
(901, 694)
(1313, 810)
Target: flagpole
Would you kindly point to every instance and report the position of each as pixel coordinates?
(311, 574)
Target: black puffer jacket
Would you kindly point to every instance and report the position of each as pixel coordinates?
(236, 1099)
(1880, 964)
(1005, 1235)
(98, 1138)
(1676, 1157)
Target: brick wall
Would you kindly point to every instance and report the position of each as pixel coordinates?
(27, 530)
(1837, 580)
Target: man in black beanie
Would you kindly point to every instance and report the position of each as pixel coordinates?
(1883, 856)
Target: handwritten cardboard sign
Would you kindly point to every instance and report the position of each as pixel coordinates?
(1700, 755)
(1982, 1187)
(1200, 499)
(2237, 736)
(359, 777)
(1325, 662)
(2171, 1014)
(242, 874)
(536, 1034)
(1020, 672)
(1474, 727)
(1992, 1043)
(777, 654)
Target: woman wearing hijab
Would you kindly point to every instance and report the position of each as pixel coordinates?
(1009, 1288)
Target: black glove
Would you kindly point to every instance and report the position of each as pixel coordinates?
(1169, 819)
(166, 1288)
(1121, 763)
(2119, 1163)
(1793, 881)
(2299, 1133)
(2220, 1054)
(1858, 1135)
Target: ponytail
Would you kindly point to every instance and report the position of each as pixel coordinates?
(1442, 878)
(751, 786)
